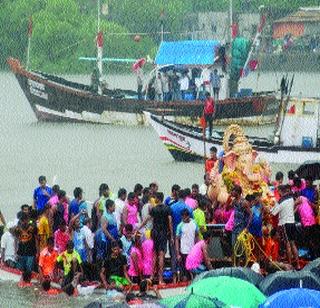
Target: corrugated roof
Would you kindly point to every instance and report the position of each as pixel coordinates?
(187, 52)
(303, 15)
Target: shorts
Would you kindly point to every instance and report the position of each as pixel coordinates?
(288, 232)
(160, 239)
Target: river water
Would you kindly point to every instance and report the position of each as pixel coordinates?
(87, 155)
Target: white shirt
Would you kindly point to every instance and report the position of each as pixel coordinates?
(203, 189)
(205, 75)
(187, 233)
(120, 204)
(9, 245)
(285, 209)
(89, 236)
(184, 83)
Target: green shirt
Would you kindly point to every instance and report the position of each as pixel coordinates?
(67, 258)
(200, 219)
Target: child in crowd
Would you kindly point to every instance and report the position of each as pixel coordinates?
(126, 240)
(61, 237)
(148, 256)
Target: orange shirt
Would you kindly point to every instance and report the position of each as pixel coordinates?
(209, 164)
(47, 261)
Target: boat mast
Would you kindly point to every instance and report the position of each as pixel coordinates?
(29, 42)
(99, 47)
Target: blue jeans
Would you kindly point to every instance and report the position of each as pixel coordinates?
(200, 269)
(26, 263)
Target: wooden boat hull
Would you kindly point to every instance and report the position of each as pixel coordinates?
(55, 99)
(185, 143)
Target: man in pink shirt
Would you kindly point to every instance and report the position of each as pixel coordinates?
(192, 203)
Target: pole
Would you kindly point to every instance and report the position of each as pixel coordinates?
(29, 41)
(204, 147)
(99, 47)
(28, 52)
(231, 19)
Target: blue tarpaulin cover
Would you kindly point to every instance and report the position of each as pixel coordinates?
(187, 52)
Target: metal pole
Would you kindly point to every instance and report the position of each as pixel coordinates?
(231, 18)
(99, 13)
(99, 49)
(28, 52)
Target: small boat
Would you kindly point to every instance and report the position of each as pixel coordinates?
(295, 139)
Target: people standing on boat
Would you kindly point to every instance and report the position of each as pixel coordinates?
(216, 84)
(166, 87)
(120, 205)
(41, 194)
(95, 80)
(205, 79)
(140, 80)
(44, 230)
(158, 87)
(209, 112)
(175, 86)
(184, 82)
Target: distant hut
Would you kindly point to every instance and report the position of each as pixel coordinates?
(304, 22)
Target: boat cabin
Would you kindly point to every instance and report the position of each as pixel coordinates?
(198, 59)
(301, 123)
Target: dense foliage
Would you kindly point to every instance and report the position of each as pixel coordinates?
(63, 30)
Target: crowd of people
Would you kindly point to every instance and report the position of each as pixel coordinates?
(124, 239)
(175, 85)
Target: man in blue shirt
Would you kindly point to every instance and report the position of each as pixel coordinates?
(75, 203)
(170, 200)
(41, 194)
(177, 208)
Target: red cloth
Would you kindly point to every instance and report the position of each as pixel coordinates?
(271, 249)
(209, 164)
(209, 106)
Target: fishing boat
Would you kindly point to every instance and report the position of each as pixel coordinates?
(295, 138)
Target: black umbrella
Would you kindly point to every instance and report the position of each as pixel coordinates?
(243, 273)
(106, 304)
(309, 169)
(313, 267)
(289, 280)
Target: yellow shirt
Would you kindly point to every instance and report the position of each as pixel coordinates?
(43, 232)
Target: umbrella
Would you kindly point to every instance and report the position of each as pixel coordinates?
(287, 280)
(243, 273)
(191, 300)
(313, 267)
(229, 290)
(293, 298)
(106, 304)
(309, 169)
(138, 64)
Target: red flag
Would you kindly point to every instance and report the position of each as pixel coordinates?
(30, 27)
(262, 23)
(202, 122)
(234, 29)
(253, 64)
(100, 39)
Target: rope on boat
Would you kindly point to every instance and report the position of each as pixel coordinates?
(244, 246)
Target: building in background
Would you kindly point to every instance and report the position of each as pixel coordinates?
(304, 22)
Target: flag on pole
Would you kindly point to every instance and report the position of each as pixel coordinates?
(30, 27)
(100, 39)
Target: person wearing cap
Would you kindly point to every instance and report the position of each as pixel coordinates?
(8, 246)
(41, 194)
